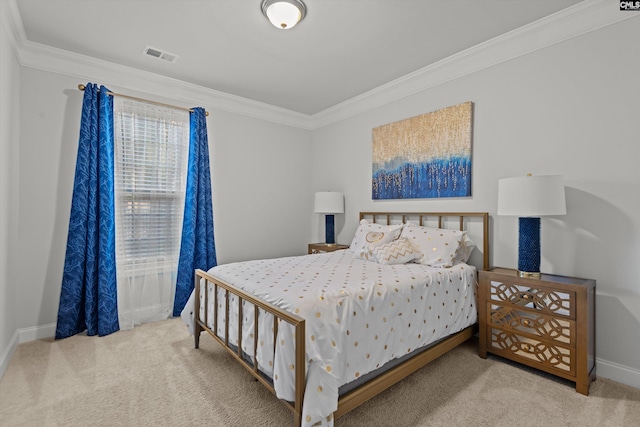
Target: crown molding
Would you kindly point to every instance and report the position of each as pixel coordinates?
(86, 68)
(571, 22)
(574, 21)
(12, 23)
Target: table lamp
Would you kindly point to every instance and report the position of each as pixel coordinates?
(530, 197)
(329, 203)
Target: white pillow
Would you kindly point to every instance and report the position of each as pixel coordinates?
(400, 251)
(438, 246)
(464, 250)
(369, 235)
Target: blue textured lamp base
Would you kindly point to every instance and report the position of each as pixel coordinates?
(329, 229)
(529, 247)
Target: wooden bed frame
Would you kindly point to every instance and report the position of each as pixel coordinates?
(376, 385)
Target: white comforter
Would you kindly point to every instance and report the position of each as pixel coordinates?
(359, 315)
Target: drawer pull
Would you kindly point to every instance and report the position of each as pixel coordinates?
(526, 347)
(526, 322)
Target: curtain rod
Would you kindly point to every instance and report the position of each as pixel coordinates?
(81, 87)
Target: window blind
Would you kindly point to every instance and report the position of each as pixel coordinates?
(151, 154)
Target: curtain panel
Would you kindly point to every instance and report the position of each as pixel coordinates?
(197, 247)
(88, 298)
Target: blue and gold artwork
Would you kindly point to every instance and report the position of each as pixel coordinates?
(426, 156)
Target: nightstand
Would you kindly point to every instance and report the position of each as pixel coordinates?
(546, 323)
(316, 248)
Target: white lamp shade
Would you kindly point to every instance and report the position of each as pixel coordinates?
(284, 14)
(328, 202)
(531, 196)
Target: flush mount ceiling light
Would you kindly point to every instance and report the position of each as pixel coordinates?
(284, 14)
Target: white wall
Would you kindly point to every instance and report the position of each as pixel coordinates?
(9, 142)
(261, 186)
(569, 109)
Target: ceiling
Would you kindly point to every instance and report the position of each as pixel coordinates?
(342, 49)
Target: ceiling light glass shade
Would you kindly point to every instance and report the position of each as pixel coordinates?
(284, 14)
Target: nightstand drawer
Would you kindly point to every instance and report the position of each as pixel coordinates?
(545, 300)
(532, 323)
(547, 356)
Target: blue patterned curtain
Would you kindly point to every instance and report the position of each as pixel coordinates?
(88, 299)
(197, 248)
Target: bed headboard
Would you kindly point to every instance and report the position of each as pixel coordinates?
(476, 224)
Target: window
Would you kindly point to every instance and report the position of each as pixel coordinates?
(151, 153)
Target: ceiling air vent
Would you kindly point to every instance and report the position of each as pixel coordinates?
(157, 53)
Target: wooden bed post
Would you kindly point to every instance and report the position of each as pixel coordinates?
(197, 329)
(301, 369)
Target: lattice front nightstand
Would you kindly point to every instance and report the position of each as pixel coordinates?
(546, 323)
(316, 248)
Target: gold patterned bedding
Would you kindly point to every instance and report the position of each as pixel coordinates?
(359, 315)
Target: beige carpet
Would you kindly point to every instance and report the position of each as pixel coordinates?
(152, 376)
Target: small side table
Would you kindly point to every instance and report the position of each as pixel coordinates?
(546, 323)
(316, 248)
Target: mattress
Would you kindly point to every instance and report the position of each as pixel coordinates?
(359, 315)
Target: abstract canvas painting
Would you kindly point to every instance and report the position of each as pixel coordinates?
(425, 156)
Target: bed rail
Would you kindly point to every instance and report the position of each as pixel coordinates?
(278, 314)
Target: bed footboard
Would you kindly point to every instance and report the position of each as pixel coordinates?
(479, 231)
(204, 279)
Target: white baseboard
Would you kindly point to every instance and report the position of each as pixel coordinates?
(618, 373)
(25, 335)
(37, 332)
(8, 353)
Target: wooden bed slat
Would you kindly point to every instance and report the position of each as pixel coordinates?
(275, 334)
(215, 306)
(206, 304)
(240, 323)
(256, 329)
(226, 317)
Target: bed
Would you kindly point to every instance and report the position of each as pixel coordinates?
(327, 332)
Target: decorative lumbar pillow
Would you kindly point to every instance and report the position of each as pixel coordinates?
(438, 246)
(369, 235)
(400, 251)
